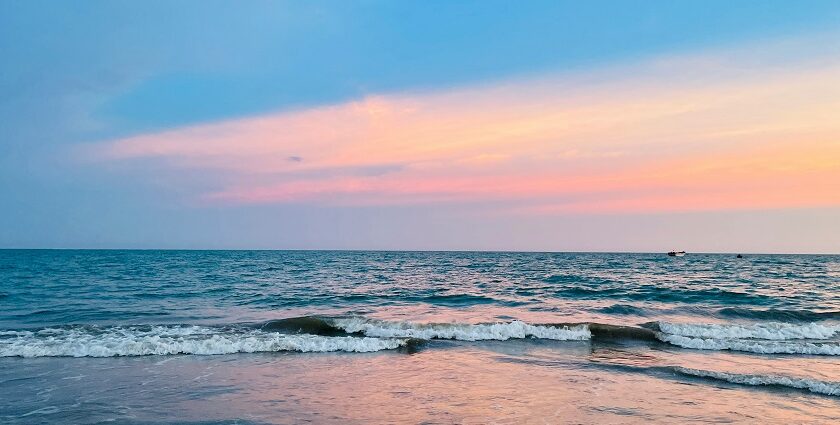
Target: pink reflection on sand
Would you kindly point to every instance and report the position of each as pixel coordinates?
(510, 382)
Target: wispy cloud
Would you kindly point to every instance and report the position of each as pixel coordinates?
(720, 130)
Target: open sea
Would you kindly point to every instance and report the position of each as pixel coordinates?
(287, 337)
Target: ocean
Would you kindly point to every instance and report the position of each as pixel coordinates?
(356, 337)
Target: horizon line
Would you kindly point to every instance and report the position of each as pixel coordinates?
(489, 251)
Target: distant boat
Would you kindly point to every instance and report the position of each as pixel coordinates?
(676, 254)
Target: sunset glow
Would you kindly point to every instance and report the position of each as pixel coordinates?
(402, 125)
(671, 134)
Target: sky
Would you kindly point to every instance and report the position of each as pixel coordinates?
(707, 126)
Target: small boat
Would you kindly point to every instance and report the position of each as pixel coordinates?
(676, 254)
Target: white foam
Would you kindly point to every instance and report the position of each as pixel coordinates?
(766, 331)
(463, 332)
(165, 340)
(752, 345)
(813, 385)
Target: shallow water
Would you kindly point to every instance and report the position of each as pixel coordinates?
(417, 337)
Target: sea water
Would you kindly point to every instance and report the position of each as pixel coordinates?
(417, 337)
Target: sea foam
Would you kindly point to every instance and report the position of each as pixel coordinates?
(753, 345)
(460, 331)
(767, 330)
(90, 341)
(812, 385)
(761, 338)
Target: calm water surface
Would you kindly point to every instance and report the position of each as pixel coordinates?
(417, 337)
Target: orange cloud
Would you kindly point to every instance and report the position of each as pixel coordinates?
(670, 135)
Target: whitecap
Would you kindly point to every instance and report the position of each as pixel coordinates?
(752, 345)
(812, 385)
(766, 331)
(460, 331)
(166, 340)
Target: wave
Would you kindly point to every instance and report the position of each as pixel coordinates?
(764, 338)
(768, 330)
(752, 346)
(812, 385)
(760, 338)
(831, 388)
(360, 334)
(462, 332)
(304, 325)
(93, 341)
(616, 332)
(501, 331)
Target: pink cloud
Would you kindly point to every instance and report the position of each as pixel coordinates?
(669, 135)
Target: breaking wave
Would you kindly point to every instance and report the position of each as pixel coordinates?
(812, 385)
(92, 341)
(360, 334)
(768, 330)
(463, 332)
(753, 346)
(760, 338)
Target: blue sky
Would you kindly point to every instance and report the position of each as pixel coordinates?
(76, 74)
